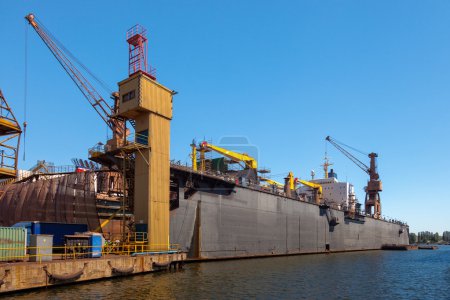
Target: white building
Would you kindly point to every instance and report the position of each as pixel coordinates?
(337, 194)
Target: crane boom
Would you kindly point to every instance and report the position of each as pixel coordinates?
(249, 161)
(371, 171)
(310, 184)
(95, 99)
(359, 163)
(271, 182)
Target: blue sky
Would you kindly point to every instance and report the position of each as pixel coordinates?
(285, 74)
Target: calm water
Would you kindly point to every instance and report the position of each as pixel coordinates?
(421, 274)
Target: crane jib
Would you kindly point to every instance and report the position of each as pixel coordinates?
(94, 98)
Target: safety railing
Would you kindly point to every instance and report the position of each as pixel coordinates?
(133, 142)
(136, 30)
(127, 238)
(8, 158)
(97, 150)
(137, 140)
(45, 254)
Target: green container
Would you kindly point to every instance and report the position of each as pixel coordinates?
(13, 243)
(219, 164)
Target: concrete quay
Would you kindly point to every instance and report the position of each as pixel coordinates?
(18, 276)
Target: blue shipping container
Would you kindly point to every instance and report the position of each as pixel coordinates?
(58, 230)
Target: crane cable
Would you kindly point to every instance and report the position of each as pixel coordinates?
(102, 83)
(25, 92)
(350, 147)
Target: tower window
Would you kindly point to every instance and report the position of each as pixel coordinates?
(128, 96)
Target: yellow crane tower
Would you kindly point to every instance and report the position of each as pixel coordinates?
(147, 105)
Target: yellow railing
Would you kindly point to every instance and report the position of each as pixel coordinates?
(128, 237)
(43, 254)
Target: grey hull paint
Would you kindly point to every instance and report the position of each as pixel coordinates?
(252, 223)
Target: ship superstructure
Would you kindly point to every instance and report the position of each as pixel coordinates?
(339, 195)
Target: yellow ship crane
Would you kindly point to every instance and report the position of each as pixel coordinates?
(250, 162)
(291, 182)
(271, 182)
(312, 185)
(317, 188)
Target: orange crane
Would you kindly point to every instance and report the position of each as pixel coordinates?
(374, 185)
(105, 111)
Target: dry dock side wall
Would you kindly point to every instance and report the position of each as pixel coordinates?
(252, 223)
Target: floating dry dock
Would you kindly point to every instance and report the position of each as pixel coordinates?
(27, 275)
(210, 209)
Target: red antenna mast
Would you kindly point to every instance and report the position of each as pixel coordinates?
(137, 46)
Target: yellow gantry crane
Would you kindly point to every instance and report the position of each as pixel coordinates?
(250, 162)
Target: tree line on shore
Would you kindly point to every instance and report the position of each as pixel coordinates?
(429, 237)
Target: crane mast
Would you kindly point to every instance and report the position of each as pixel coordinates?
(374, 185)
(105, 111)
